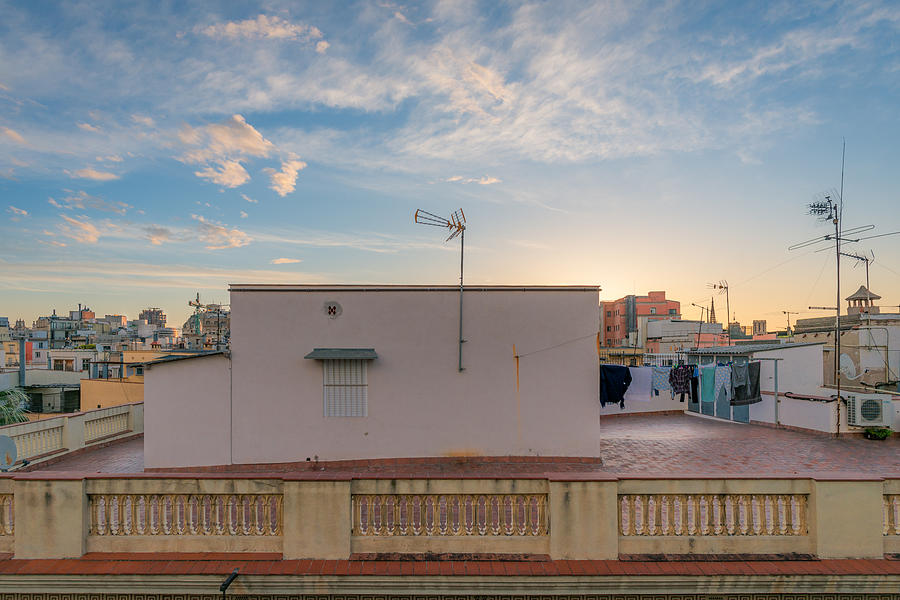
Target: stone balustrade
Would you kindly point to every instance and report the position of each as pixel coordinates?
(38, 441)
(58, 515)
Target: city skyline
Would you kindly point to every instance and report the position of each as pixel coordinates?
(148, 153)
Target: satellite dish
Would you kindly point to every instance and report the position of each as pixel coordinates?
(7, 452)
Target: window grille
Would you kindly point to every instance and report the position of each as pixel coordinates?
(345, 388)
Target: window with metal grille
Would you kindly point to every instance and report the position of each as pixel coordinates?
(345, 388)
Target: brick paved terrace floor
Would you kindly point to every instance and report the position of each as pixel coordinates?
(671, 445)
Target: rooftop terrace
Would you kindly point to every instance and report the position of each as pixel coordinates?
(671, 445)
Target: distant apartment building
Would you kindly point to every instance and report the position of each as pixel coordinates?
(675, 335)
(623, 322)
(82, 314)
(759, 327)
(115, 321)
(153, 316)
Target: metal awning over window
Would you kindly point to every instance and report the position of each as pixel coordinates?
(342, 354)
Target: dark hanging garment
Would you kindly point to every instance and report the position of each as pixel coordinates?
(614, 382)
(680, 380)
(748, 393)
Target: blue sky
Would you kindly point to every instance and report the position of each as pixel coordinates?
(150, 151)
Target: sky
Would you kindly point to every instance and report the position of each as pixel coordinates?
(151, 151)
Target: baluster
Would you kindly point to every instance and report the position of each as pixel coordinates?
(94, 504)
(728, 502)
(631, 511)
(399, 503)
(652, 514)
(704, 514)
(692, 514)
(277, 520)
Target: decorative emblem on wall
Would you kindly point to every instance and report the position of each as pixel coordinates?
(332, 309)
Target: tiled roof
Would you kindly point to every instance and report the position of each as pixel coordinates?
(749, 348)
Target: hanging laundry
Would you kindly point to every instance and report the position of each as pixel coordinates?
(641, 384)
(695, 387)
(708, 388)
(748, 393)
(738, 376)
(661, 380)
(614, 382)
(680, 380)
(723, 381)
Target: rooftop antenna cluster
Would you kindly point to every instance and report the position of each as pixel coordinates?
(456, 225)
(722, 287)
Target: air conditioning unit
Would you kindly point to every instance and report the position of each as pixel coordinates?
(870, 411)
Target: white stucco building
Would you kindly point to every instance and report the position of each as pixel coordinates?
(348, 372)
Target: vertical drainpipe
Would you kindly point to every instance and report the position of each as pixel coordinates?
(21, 362)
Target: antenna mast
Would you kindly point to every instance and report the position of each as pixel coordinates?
(456, 224)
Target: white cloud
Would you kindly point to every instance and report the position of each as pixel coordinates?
(322, 46)
(225, 145)
(285, 261)
(80, 230)
(91, 173)
(13, 135)
(230, 174)
(249, 199)
(244, 214)
(232, 137)
(262, 27)
(88, 127)
(285, 180)
(218, 237)
(143, 120)
(111, 158)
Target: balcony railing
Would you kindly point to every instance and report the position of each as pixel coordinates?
(38, 441)
(311, 516)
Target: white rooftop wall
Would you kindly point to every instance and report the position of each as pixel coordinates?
(418, 403)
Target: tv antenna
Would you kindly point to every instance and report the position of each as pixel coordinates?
(199, 309)
(789, 313)
(866, 259)
(456, 225)
(722, 287)
(700, 327)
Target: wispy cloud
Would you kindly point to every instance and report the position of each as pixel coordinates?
(158, 235)
(143, 120)
(91, 173)
(244, 214)
(13, 135)
(262, 27)
(81, 229)
(16, 212)
(284, 261)
(81, 200)
(483, 180)
(219, 237)
(285, 180)
(249, 199)
(88, 127)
